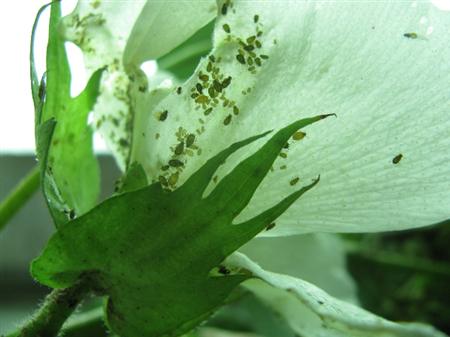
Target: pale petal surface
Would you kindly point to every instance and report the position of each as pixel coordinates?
(311, 312)
(316, 258)
(382, 67)
(107, 31)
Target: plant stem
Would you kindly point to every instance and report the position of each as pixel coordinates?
(57, 307)
(19, 196)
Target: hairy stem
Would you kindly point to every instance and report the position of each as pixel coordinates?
(19, 196)
(57, 307)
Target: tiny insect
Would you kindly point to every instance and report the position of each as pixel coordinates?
(397, 159)
(270, 226)
(223, 270)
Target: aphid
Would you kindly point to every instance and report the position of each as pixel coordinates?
(411, 35)
(397, 159)
(270, 226)
(176, 163)
(165, 167)
(203, 77)
(227, 120)
(258, 61)
(199, 88)
(123, 142)
(201, 99)
(224, 9)
(207, 111)
(283, 155)
(179, 148)
(264, 57)
(258, 44)
(212, 58)
(163, 115)
(240, 58)
(190, 140)
(256, 18)
(212, 93)
(217, 86)
(173, 179)
(226, 82)
(209, 67)
(179, 90)
(163, 181)
(249, 47)
(298, 135)
(226, 28)
(294, 181)
(223, 270)
(251, 39)
(235, 110)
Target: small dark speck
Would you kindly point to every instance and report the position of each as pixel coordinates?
(320, 302)
(410, 35)
(397, 159)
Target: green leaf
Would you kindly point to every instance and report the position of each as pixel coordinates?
(67, 157)
(153, 251)
(311, 312)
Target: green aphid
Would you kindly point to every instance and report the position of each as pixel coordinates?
(194, 95)
(224, 9)
(270, 226)
(298, 135)
(179, 90)
(264, 57)
(294, 181)
(179, 149)
(227, 120)
(212, 58)
(176, 163)
(163, 115)
(212, 93)
(258, 44)
(226, 28)
(123, 142)
(411, 35)
(226, 82)
(173, 179)
(235, 110)
(190, 140)
(256, 18)
(240, 58)
(249, 47)
(217, 86)
(163, 181)
(251, 39)
(397, 159)
(203, 77)
(249, 61)
(209, 67)
(252, 68)
(207, 111)
(199, 88)
(258, 61)
(283, 155)
(165, 167)
(202, 99)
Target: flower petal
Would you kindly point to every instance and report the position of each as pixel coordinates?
(162, 26)
(382, 67)
(108, 32)
(311, 312)
(292, 256)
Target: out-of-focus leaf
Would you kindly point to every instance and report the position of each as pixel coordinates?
(156, 253)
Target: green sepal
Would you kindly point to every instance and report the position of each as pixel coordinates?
(156, 254)
(69, 163)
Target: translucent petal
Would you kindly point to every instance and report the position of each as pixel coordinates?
(311, 312)
(315, 258)
(382, 67)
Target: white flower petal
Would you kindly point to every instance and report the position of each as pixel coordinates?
(109, 31)
(311, 312)
(382, 67)
(315, 258)
(163, 25)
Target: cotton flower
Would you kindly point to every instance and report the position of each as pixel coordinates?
(381, 67)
